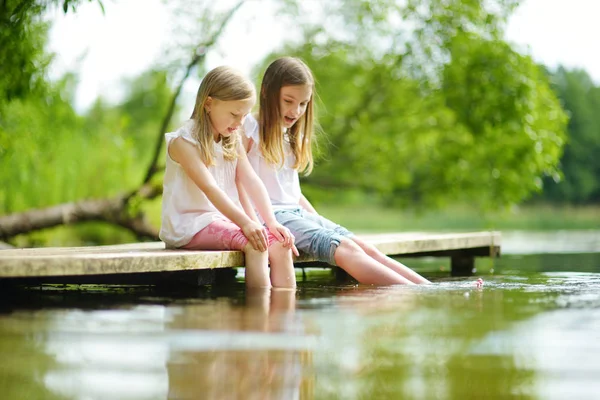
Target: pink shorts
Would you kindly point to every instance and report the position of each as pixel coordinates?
(221, 235)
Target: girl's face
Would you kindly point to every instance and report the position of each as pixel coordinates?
(227, 116)
(293, 101)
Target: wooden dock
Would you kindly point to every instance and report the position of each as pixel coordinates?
(151, 263)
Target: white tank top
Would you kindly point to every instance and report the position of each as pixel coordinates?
(283, 184)
(185, 208)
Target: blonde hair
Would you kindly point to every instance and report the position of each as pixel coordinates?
(286, 71)
(225, 84)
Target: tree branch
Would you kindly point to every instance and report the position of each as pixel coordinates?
(112, 210)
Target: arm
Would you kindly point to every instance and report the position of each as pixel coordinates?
(254, 187)
(304, 203)
(245, 201)
(248, 179)
(186, 154)
(246, 143)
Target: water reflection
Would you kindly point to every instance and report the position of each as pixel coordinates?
(254, 347)
(24, 362)
(251, 365)
(415, 343)
(525, 334)
(106, 354)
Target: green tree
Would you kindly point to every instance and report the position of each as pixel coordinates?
(23, 35)
(422, 103)
(138, 115)
(51, 155)
(580, 182)
(515, 125)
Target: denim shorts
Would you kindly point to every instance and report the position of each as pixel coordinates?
(315, 235)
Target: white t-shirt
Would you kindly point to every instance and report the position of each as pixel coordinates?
(283, 184)
(185, 208)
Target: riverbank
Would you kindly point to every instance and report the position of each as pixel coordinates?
(462, 218)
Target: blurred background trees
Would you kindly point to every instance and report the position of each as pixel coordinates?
(421, 104)
(580, 163)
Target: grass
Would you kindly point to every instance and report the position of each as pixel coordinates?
(461, 218)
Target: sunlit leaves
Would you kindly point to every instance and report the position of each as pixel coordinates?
(452, 114)
(505, 102)
(23, 34)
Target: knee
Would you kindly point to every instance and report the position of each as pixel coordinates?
(251, 251)
(369, 249)
(366, 247)
(278, 251)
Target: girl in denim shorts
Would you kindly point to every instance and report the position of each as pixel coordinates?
(278, 146)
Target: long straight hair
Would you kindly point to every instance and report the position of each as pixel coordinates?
(285, 71)
(225, 84)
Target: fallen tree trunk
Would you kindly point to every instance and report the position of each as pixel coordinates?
(113, 210)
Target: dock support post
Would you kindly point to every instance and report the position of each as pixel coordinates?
(225, 276)
(462, 265)
(341, 275)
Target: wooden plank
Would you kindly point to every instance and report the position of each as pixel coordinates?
(415, 243)
(114, 262)
(153, 257)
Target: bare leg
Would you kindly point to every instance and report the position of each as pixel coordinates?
(283, 304)
(352, 259)
(283, 300)
(257, 269)
(255, 316)
(282, 266)
(389, 262)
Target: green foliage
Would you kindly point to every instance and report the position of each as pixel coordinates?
(23, 35)
(443, 112)
(515, 125)
(372, 123)
(421, 103)
(22, 41)
(51, 155)
(438, 23)
(140, 114)
(580, 164)
(54, 155)
(72, 4)
(365, 216)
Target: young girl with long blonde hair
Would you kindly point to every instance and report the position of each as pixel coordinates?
(205, 159)
(279, 147)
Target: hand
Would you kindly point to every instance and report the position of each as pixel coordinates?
(284, 235)
(256, 235)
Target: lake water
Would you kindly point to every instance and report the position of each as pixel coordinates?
(532, 331)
